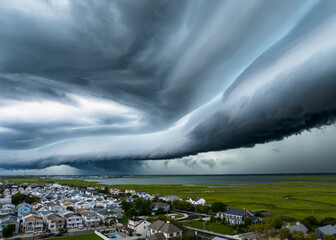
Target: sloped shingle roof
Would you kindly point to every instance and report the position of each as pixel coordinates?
(164, 227)
(328, 229)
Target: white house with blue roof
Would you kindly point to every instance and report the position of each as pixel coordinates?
(23, 208)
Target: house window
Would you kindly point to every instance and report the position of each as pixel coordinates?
(171, 234)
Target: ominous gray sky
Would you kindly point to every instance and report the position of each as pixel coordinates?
(164, 87)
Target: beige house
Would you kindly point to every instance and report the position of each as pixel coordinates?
(32, 224)
(163, 230)
(90, 219)
(55, 222)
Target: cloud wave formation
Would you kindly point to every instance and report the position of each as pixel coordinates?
(94, 81)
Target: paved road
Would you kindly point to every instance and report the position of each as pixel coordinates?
(27, 237)
(191, 216)
(212, 234)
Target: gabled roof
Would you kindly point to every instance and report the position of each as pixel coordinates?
(298, 227)
(328, 229)
(25, 214)
(110, 211)
(157, 236)
(68, 215)
(32, 218)
(160, 204)
(55, 217)
(164, 227)
(156, 225)
(236, 211)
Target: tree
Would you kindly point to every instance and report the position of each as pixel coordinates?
(127, 207)
(70, 208)
(284, 233)
(160, 211)
(277, 222)
(328, 237)
(298, 235)
(183, 205)
(202, 208)
(312, 220)
(8, 230)
(218, 207)
(248, 221)
(312, 236)
(147, 209)
(327, 221)
(212, 219)
(18, 198)
(269, 230)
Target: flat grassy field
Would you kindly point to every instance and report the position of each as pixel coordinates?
(214, 227)
(294, 199)
(89, 236)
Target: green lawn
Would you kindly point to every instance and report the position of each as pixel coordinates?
(89, 236)
(123, 220)
(214, 227)
(179, 216)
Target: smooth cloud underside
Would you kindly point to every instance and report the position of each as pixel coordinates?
(97, 82)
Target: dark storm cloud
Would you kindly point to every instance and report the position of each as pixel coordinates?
(103, 82)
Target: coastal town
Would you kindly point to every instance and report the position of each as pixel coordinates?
(53, 210)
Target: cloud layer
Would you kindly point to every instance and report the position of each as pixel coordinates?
(101, 82)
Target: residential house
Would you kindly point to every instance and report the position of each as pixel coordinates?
(105, 204)
(23, 208)
(138, 225)
(73, 220)
(298, 227)
(82, 205)
(7, 220)
(163, 230)
(55, 207)
(237, 216)
(156, 196)
(66, 204)
(144, 195)
(156, 205)
(7, 209)
(110, 213)
(90, 219)
(194, 200)
(55, 222)
(32, 224)
(328, 229)
(171, 198)
(131, 191)
(6, 199)
(36, 205)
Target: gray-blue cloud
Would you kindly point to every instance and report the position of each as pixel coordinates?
(96, 81)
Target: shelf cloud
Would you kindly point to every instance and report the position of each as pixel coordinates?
(104, 84)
